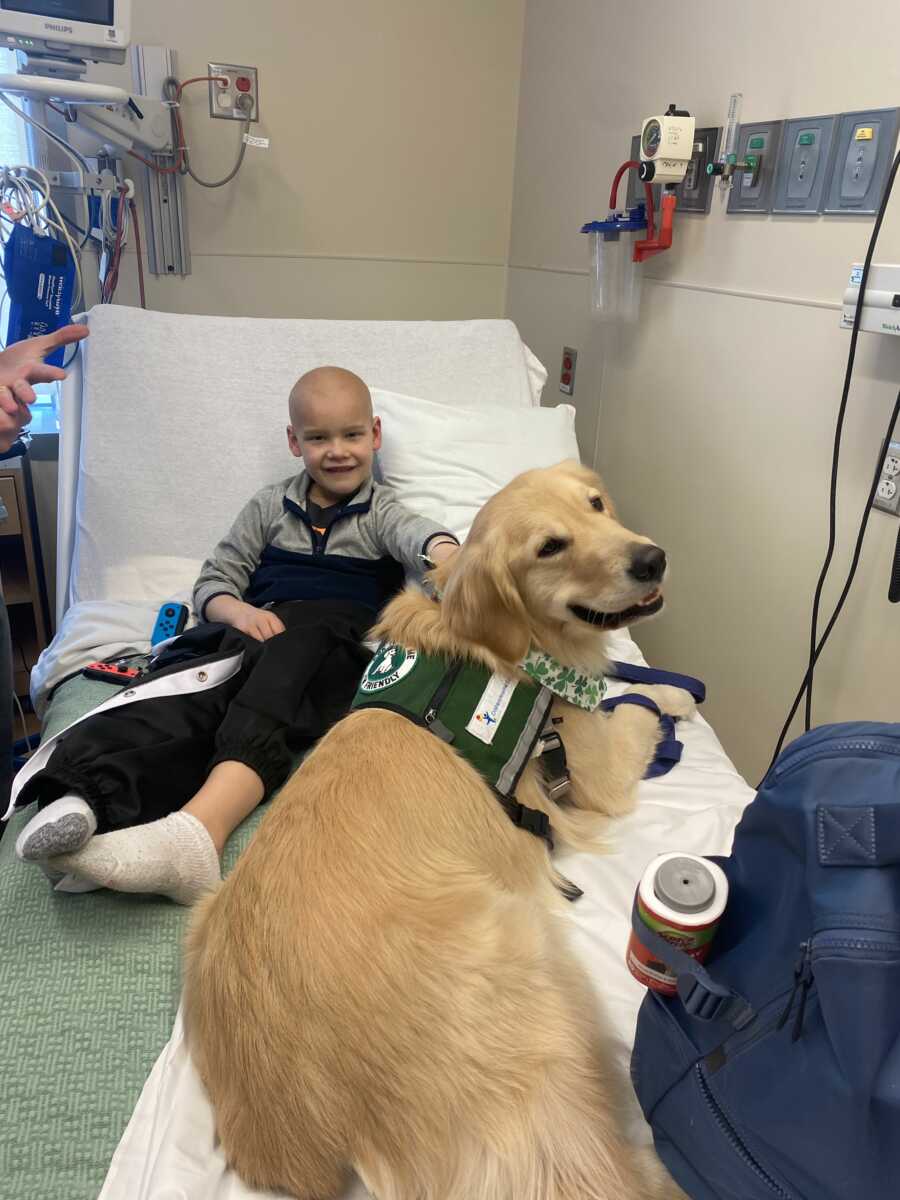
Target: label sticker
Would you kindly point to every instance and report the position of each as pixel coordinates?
(261, 142)
(490, 709)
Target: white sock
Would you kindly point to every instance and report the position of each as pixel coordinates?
(67, 883)
(174, 857)
(61, 828)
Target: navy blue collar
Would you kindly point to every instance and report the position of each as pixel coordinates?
(300, 486)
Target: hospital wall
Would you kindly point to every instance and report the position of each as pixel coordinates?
(385, 192)
(713, 420)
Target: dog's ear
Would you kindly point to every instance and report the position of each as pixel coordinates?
(482, 605)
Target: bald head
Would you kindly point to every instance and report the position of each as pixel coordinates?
(328, 386)
(334, 431)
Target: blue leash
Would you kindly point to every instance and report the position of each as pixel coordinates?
(670, 749)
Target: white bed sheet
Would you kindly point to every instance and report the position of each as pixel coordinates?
(169, 1148)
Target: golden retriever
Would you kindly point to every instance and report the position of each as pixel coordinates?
(384, 981)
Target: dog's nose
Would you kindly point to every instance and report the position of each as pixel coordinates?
(648, 564)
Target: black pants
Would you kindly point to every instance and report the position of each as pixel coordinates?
(146, 759)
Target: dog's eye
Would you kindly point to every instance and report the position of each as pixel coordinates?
(552, 546)
(597, 503)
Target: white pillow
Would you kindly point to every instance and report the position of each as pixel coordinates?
(445, 463)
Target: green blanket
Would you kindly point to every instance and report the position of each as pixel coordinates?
(89, 986)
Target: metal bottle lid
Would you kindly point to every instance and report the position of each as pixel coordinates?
(684, 884)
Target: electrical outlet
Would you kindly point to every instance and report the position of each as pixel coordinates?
(887, 494)
(226, 101)
(567, 371)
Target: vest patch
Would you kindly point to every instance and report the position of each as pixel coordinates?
(490, 709)
(389, 666)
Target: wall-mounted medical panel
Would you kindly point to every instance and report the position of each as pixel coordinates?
(803, 165)
(864, 150)
(757, 147)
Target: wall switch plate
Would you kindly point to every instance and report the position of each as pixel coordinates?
(695, 192)
(864, 150)
(635, 187)
(223, 101)
(887, 494)
(567, 371)
(752, 191)
(804, 163)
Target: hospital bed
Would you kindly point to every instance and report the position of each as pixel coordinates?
(169, 423)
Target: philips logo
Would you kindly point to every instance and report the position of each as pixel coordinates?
(58, 28)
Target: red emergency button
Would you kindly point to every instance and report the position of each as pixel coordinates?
(567, 377)
(242, 83)
(567, 363)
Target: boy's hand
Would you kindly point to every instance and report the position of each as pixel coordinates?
(439, 549)
(257, 623)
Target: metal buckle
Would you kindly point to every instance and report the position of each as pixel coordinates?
(559, 787)
(549, 740)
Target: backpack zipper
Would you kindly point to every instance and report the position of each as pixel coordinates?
(791, 760)
(803, 970)
(737, 1145)
(803, 979)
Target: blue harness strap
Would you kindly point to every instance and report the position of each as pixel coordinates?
(670, 749)
(630, 673)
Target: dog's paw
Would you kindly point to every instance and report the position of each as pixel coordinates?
(672, 701)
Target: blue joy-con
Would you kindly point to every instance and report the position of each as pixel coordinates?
(170, 621)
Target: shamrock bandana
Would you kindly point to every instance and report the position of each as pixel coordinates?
(586, 691)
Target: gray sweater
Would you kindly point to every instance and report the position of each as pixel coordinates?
(272, 553)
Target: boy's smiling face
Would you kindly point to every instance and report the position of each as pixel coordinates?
(332, 429)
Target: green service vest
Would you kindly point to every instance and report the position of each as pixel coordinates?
(492, 721)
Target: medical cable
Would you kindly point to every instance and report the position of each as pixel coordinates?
(111, 277)
(18, 188)
(806, 688)
(174, 99)
(74, 155)
(839, 433)
(172, 90)
(848, 583)
(25, 736)
(894, 585)
(132, 208)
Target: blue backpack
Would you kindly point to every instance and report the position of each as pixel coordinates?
(775, 1072)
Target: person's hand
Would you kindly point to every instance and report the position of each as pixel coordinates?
(21, 365)
(440, 549)
(257, 623)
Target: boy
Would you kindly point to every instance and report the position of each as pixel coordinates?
(288, 595)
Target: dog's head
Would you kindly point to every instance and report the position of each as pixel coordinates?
(547, 562)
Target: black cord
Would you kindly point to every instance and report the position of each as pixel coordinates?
(838, 437)
(848, 583)
(806, 686)
(894, 588)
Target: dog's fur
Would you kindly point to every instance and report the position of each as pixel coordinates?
(384, 980)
